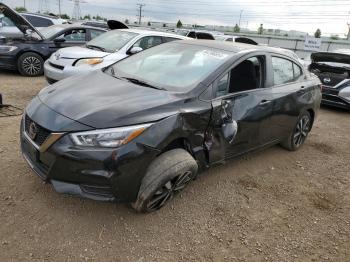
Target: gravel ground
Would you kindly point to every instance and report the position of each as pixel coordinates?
(272, 205)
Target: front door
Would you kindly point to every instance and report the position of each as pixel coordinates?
(242, 105)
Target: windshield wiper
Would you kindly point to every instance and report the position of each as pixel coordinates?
(142, 83)
(96, 47)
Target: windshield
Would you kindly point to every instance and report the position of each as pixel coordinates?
(50, 31)
(174, 66)
(112, 41)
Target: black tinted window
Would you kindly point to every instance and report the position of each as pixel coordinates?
(38, 21)
(282, 70)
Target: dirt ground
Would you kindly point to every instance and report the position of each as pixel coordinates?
(272, 205)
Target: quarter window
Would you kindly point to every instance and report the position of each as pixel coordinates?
(297, 71)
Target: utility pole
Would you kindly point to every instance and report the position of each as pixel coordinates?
(140, 6)
(240, 17)
(59, 8)
(24, 3)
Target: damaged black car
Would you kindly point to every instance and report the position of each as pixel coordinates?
(140, 130)
(333, 69)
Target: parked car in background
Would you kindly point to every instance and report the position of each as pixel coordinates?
(103, 51)
(237, 39)
(140, 130)
(333, 69)
(195, 34)
(28, 52)
(9, 29)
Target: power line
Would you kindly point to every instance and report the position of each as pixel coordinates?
(140, 6)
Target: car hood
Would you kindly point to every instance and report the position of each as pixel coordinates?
(330, 57)
(102, 101)
(80, 52)
(20, 22)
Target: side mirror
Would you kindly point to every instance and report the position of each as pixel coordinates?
(229, 130)
(134, 50)
(58, 41)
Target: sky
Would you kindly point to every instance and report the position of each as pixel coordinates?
(331, 16)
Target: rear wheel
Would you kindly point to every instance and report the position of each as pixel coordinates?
(167, 175)
(30, 64)
(300, 132)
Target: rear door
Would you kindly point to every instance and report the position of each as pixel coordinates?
(290, 93)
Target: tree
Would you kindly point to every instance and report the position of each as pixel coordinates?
(149, 23)
(318, 33)
(261, 29)
(179, 24)
(65, 16)
(126, 21)
(87, 17)
(20, 9)
(236, 29)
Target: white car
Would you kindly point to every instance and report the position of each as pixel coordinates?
(102, 51)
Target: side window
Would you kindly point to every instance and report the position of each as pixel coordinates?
(248, 75)
(95, 33)
(148, 42)
(74, 35)
(38, 21)
(297, 71)
(283, 71)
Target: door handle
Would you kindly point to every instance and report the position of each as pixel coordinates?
(265, 102)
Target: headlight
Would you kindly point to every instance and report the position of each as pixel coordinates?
(7, 48)
(114, 137)
(89, 61)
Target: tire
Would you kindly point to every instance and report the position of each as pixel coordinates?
(30, 64)
(168, 174)
(299, 134)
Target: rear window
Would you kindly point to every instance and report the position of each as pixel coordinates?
(38, 21)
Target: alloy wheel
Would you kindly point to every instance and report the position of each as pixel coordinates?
(301, 131)
(167, 191)
(31, 65)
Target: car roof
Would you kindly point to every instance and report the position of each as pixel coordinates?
(64, 26)
(151, 32)
(41, 15)
(234, 47)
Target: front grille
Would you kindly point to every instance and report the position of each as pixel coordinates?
(334, 99)
(330, 91)
(42, 133)
(56, 66)
(104, 191)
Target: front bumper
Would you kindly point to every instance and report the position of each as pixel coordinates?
(331, 97)
(55, 72)
(98, 174)
(8, 62)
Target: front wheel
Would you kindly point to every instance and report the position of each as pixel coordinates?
(167, 175)
(299, 134)
(30, 64)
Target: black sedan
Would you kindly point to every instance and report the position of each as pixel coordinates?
(140, 130)
(28, 53)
